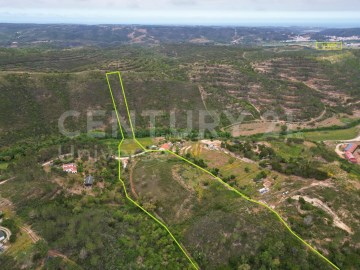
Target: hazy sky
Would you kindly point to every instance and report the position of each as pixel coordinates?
(215, 12)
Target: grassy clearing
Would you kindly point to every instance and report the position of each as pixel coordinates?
(230, 166)
(3, 166)
(128, 147)
(336, 58)
(287, 151)
(340, 134)
(22, 244)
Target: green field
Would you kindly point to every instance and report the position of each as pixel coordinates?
(340, 134)
(129, 146)
(288, 151)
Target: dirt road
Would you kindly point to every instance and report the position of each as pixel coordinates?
(3, 182)
(318, 203)
(34, 237)
(133, 191)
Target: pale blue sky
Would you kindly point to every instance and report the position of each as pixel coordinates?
(185, 12)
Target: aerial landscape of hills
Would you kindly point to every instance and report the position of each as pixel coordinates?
(284, 134)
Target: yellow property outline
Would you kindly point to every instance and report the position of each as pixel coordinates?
(206, 171)
(329, 46)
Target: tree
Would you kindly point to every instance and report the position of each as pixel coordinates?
(283, 130)
(13, 238)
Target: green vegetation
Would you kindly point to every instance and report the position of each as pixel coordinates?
(340, 134)
(128, 147)
(195, 207)
(57, 80)
(96, 228)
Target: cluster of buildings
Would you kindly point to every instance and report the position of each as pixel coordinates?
(72, 168)
(267, 184)
(350, 151)
(212, 145)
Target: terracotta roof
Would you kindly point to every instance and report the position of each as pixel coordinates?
(165, 146)
(71, 167)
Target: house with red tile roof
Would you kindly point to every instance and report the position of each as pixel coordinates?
(70, 168)
(349, 152)
(349, 156)
(165, 146)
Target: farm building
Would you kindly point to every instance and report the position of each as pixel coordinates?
(70, 168)
(349, 156)
(89, 181)
(351, 147)
(165, 146)
(349, 152)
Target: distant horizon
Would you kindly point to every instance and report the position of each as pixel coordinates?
(257, 25)
(248, 13)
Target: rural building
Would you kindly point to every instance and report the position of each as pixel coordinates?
(89, 181)
(70, 168)
(349, 152)
(2, 236)
(351, 147)
(212, 145)
(267, 183)
(125, 162)
(263, 190)
(349, 156)
(165, 146)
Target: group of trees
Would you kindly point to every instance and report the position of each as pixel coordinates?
(298, 166)
(200, 162)
(293, 166)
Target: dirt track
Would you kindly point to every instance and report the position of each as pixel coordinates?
(318, 203)
(34, 237)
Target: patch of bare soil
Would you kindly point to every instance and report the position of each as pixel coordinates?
(185, 207)
(33, 235)
(318, 203)
(73, 188)
(133, 191)
(246, 129)
(178, 178)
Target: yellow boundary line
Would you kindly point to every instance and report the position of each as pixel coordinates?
(123, 183)
(329, 45)
(206, 171)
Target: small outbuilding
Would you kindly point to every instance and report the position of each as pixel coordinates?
(89, 181)
(263, 190)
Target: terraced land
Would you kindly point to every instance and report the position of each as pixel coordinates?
(250, 84)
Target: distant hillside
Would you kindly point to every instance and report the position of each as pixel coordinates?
(38, 85)
(346, 32)
(106, 35)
